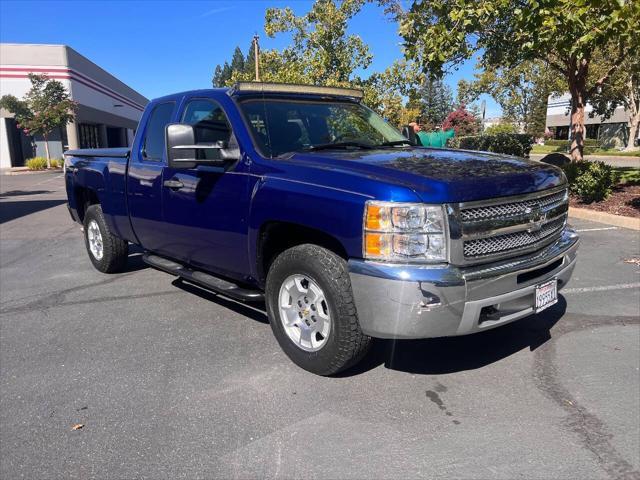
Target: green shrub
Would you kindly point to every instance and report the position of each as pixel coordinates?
(56, 163)
(506, 143)
(500, 128)
(37, 163)
(591, 181)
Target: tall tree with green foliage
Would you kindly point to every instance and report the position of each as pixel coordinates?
(623, 91)
(46, 106)
(322, 52)
(564, 34)
(321, 43)
(521, 92)
(435, 100)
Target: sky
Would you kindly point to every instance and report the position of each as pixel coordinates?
(161, 47)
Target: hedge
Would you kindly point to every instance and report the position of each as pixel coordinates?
(518, 144)
(590, 145)
(588, 142)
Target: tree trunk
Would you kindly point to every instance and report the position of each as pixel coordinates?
(577, 129)
(634, 113)
(46, 149)
(633, 132)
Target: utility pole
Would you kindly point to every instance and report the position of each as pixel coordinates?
(256, 56)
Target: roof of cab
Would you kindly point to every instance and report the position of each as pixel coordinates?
(272, 89)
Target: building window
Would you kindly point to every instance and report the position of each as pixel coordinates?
(593, 131)
(89, 136)
(562, 133)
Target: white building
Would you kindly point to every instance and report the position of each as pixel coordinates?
(108, 110)
(613, 132)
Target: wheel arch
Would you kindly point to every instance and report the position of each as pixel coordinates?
(275, 237)
(84, 198)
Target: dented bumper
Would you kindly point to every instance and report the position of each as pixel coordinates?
(423, 301)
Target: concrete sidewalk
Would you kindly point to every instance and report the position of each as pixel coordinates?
(613, 160)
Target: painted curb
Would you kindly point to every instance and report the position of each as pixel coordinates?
(632, 223)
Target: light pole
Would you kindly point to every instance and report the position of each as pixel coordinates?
(256, 57)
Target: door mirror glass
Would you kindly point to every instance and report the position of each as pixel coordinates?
(183, 151)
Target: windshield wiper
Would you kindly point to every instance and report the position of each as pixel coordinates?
(394, 143)
(329, 146)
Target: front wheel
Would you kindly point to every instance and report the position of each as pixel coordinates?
(107, 252)
(312, 312)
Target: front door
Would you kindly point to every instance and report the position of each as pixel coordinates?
(206, 208)
(144, 179)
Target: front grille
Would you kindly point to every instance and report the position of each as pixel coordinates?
(484, 231)
(511, 241)
(513, 208)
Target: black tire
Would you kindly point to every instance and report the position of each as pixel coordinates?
(114, 250)
(345, 344)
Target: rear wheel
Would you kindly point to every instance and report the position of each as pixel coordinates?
(107, 252)
(312, 312)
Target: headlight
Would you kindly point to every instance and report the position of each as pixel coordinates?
(404, 232)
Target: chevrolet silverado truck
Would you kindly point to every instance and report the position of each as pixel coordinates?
(304, 199)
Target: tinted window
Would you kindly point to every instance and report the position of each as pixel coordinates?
(282, 126)
(154, 135)
(210, 125)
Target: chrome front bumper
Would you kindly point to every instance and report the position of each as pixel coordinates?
(419, 301)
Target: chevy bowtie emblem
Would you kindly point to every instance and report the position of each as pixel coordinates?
(537, 219)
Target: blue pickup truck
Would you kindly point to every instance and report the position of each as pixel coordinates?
(304, 199)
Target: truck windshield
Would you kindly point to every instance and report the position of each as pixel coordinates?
(285, 126)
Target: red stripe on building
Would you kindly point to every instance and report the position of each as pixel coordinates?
(70, 71)
(73, 76)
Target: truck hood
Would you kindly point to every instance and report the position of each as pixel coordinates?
(441, 175)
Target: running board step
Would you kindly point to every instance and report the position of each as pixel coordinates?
(203, 279)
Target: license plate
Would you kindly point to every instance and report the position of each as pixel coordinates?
(546, 295)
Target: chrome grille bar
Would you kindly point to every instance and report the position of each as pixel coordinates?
(506, 227)
(512, 209)
(512, 241)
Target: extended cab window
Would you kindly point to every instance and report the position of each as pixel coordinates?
(154, 135)
(210, 125)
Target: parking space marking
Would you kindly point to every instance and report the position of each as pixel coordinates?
(604, 288)
(595, 229)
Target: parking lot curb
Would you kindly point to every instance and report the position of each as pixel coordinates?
(24, 171)
(632, 223)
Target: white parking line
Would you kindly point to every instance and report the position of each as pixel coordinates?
(595, 229)
(49, 179)
(621, 286)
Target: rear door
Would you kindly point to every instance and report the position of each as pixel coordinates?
(144, 179)
(207, 214)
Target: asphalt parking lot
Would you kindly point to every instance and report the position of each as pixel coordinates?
(171, 381)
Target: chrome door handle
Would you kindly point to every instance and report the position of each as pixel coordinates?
(173, 184)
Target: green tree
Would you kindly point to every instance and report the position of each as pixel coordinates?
(238, 60)
(321, 44)
(623, 90)
(222, 74)
(322, 52)
(521, 92)
(564, 34)
(46, 106)
(436, 101)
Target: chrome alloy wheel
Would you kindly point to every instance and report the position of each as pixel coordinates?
(304, 312)
(95, 240)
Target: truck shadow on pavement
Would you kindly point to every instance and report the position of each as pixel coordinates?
(256, 312)
(435, 356)
(10, 210)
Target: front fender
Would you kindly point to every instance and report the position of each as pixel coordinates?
(335, 211)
